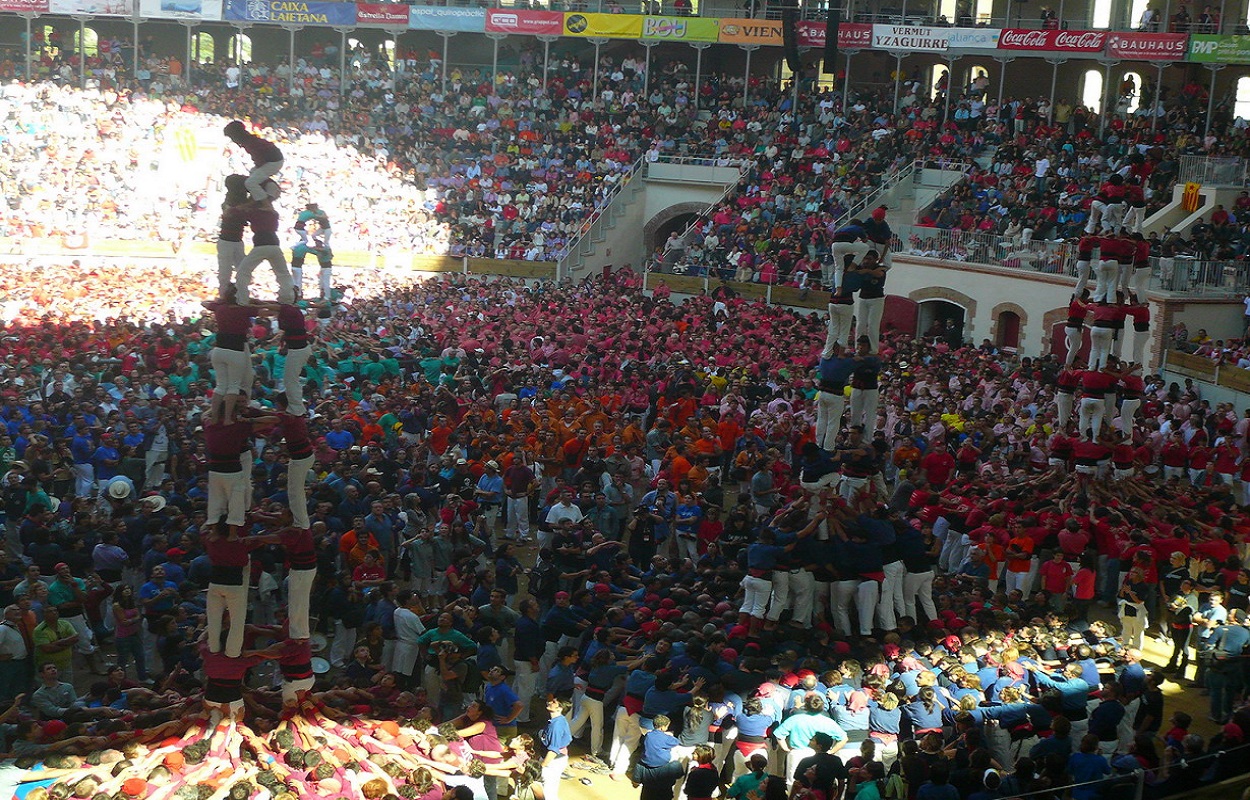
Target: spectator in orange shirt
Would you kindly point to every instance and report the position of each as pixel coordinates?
(1019, 556)
(679, 465)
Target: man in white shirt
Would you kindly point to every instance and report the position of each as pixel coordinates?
(564, 509)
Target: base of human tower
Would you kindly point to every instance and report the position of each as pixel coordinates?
(310, 752)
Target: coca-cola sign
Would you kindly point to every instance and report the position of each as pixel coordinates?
(1148, 46)
(1052, 40)
(851, 35)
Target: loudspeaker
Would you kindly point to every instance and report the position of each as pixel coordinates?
(831, 41)
(790, 39)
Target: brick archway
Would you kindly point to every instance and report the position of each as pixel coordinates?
(1049, 320)
(949, 295)
(1016, 309)
(651, 231)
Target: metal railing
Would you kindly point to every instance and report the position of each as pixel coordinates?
(1200, 277)
(888, 183)
(595, 218)
(1212, 170)
(1049, 257)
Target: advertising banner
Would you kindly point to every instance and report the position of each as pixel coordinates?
(1148, 46)
(392, 15)
(1052, 41)
(181, 9)
(973, 38)
(534, 23)
(469, 20)
(1207, 48)
(680, 29)
(609, 26)
(291, 12)
(851, 35)
(919, 39)
(95, 8)
(27, 6)
(750, 31)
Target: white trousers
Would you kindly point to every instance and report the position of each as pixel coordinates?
(868, 311)
(840, 316)
(1092, 409)
(1063, 407)
(299, 600)
(154, 463)
(1128, 410)
(296, 478)
(1140, 340)
(223, 598)
(518, 521)
(341, 647)
(1072, 341)
(625, 737)
(292, 386)
(793, 758)
(803, 589)
(866, 596)
(291, 690)
(1099, 346)
(84, 479)
(227, 495)
(231, 369)
(277, 260)
(525, 684)
(86, 638)
(918, 586)
(229, 254)
(324, 277)
(891, 602)
(840, 250)
(864, 409)
(257, 177)
(591, 713)
(1082, 275)
(781, 594)
(552, 773)
(756, 592)
(829, 408)
(841, 595)
(1105, 279)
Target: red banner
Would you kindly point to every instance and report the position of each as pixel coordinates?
(1148, 46)
(538, 23)
(382, 14)
(1052, 41)
(851, 35)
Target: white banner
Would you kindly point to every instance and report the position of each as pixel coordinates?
(973, 38)
(911, 37)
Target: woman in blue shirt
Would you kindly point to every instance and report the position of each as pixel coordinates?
(753, 724)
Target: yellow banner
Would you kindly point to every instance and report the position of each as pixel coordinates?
(609, 26)
(1191, 197)
(750, 31)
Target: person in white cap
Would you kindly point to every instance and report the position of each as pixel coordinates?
(489, 494)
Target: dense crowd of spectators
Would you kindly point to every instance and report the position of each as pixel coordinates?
(581, 487)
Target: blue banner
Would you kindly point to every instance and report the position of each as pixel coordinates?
(425, 18)
(290, 12)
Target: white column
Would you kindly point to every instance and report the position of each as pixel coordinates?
(446, 39)
(746, 79)
(699, 47)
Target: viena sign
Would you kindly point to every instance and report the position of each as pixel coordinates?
(1052, 41)
(909, 37)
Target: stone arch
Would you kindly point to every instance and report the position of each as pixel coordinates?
(1014, 308)
(657, 228)
(1049, 320)
(949, 295)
